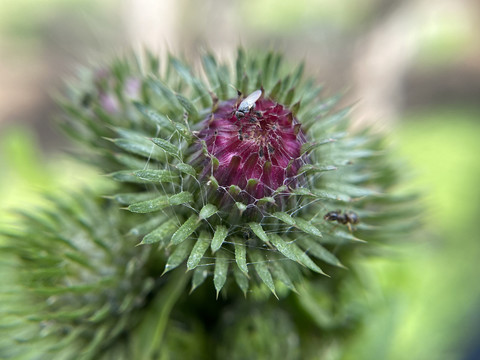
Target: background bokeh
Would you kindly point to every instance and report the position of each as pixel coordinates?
(411, 67)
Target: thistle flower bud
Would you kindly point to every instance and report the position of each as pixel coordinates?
(236, 183)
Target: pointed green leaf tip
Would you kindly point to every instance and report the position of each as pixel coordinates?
(241, 280)
(160, 234)
(258, 230)
(293, 252)
(187, 169)
(156, 176)
(179, 255)
(161, 202)
(220, 234)
(154, 116)
(241, 256)
(260, 265)
(198, 251)
(184, 231)
(189, 107)
(167, 146)
(199, 276)
(221, 270)
(207, 211)
(298, 223)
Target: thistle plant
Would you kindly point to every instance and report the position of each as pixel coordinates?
(238, 174)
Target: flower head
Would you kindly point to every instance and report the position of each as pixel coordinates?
(259, 151)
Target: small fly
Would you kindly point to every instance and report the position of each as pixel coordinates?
(248, 104)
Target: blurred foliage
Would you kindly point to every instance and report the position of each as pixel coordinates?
(284, 16)
(429, 294)
(22, 18)
(445, 39)
(26, 174)
(55, 28)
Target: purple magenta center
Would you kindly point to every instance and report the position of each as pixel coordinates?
(264, 144)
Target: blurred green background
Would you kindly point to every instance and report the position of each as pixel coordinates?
(413, 65)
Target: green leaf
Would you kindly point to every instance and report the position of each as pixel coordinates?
(131, 198)
(244, 84)
(301, 191)
(189, 107)
(280, 274)
(154, 116)
(167, 146)
(317, 250)
(210, 67)
(221, 270)
(234, 190)
(331, 195)
(129, 161)
(160, 234)
(138, 147)
(307, 227)
(287, 219)
(293, 252)
(179, 255)
(151, 330)
(147, 226)
(165, 92)
(182, 69)
(258, 230)
(260, 265)
(199, 275)
(289, 97)
(156, 176)
(126, 176)
(267, 69)
(129, 134)
(221, 233)
(335, 118)
(241, 279)
(298, 73)
(212, 182)
(276, 90)
(180, 198)
(298, 223)
(287, 249)
(241, 256)
(186, 75)
(161, 202)
(354, 191)
(265, 200)
(309, 168)
(184, 231)
(198, 251)
(183, 130)
(187, 169)
(101, 313)
(224, 81)
(309, 147)
(240, 67)
(207, 211)
(241, 206)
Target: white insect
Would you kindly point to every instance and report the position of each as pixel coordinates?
(248, 104)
